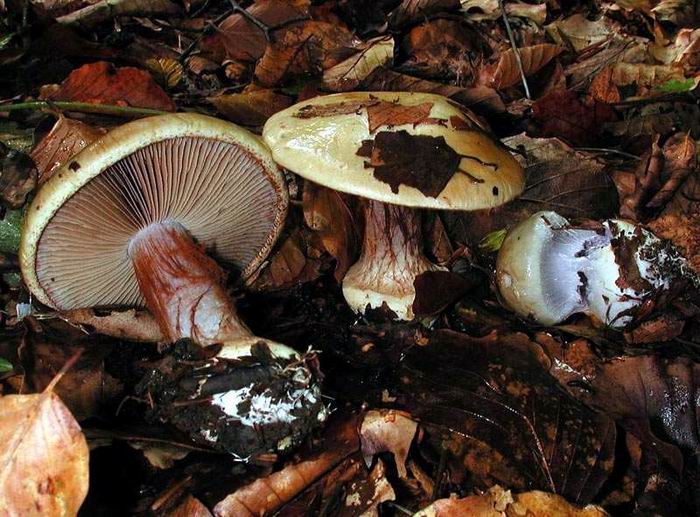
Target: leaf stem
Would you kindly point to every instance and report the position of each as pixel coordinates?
(86, 107)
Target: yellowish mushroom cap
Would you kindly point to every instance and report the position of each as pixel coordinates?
(212, 177)
(410, 149)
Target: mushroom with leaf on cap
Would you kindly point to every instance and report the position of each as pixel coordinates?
(129, 221)
(399, 151)
(548, 269)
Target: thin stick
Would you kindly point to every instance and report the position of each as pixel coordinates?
(86, 107)
(511, 37)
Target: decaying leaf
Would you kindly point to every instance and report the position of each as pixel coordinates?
(267, 494)
(130, 324)
(250, 108)
(327, 212)
(103, 10)
(420, 161)
(579, 32)
(348, 74)
(191, 507)
(43, 456)
(18, 177)
(365, 495)
(166, 71)
(505, 73)
(496, 391)
(66, 138)
(646, 77)
(305, 48)
(478, 10)
(410, 11)
(683, 230)
(103, 83)
(387, 431)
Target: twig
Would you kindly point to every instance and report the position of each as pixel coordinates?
(86, 107)
(511, 37)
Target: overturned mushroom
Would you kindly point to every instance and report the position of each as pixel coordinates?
(129, 222)
(399, 151)
(548, 269)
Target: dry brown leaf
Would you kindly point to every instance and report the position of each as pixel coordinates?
(246, 42)
(478, 10)
(104, 10)
(348, 74)
(603, 88)
(66, 138)
(305, 48)
(364, 496)
(683, 231)
(646, 77)
(684, 49)
(250, 108)
(268, 494)
(190, 507)
(505, 73)
(43, 456)
(579, 32)
(103, 83)
(414, 10)
(388, 430)
(18, 177)
(327, 212)
(130, 324)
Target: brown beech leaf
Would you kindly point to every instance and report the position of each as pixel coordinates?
(436, 290)
(411, 11)
(505, 73)
(478, 10)
(129, 324)
(580, 32)
(664, 327)
(682, 51)
(603, 88)
(243, 40)
(497, 502)
(18, 177)
(561, 114)
(305, 48)
(327, 212)
(389, 114)
(496, 393)
(348, 74)
(43, 456)
(250, 108)
(66, 138)
(103, 10)
(103, 83)
(190, 507)
(265, 495)
(645, 77)
(387, 430)
(399, 158)
(683, 230)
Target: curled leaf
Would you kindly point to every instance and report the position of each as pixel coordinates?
(505, 73)
(387, 431)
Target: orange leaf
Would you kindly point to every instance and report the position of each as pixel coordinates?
(102, 83)
(43, 457)
(505, 72)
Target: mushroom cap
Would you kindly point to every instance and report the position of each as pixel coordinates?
(412, 147)
(214, 178)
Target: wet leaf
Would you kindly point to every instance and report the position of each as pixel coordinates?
(505, 73)
(166, 71)
(327, 212)
(305, 48)
(102, 83)
(389, 114)
(492, 242)
(496, 390)
(399, 158)
(66, 138)
(250, 108)
(387, 431)
(437, 290)
(43, 457)
(348, 74)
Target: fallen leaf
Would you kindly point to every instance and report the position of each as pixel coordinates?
(683, 230)
(681, 13)
(646, 77)
(269, 493)
(326, 211)
(505, 72)
(603, 87)
(243, 40)
(681, 51)
(560, 113)
(190, 507)
(102, 83)
(580, 33)
(66, 138)
(365, 495)
(11, 231)
(497, 391)
(478, 10)
(387, 430)
(348, 74)
(389, 114)
(399, 158)
(436, 290)
(104, 10)
(664, 327)
(129, 324)
(43, 458)
(18, 177)
(250, 108)
(305, 48)
(410, 11)
(167, 72)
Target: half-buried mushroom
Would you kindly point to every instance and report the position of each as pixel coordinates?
(399, 151)
(548, 269)
(129, 222)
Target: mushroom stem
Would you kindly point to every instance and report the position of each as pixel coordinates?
(183, 287)
(391, 260)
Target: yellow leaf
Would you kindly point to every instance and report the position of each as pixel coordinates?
(166, 71)
(348, 74)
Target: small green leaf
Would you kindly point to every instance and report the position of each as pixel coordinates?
(5, 366)
(676, 86)
(10, 231)
(492, 242)
(5, 39)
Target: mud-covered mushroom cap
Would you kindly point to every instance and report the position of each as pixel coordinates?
(213, 178)
(411, 149)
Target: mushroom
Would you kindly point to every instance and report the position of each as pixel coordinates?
(399, 151)
(548, 269)
(129, 221)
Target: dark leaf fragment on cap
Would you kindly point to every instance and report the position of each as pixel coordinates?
(399, 158)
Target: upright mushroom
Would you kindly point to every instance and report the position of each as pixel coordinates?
(399, 151)
(129, 222)
(548, 269)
